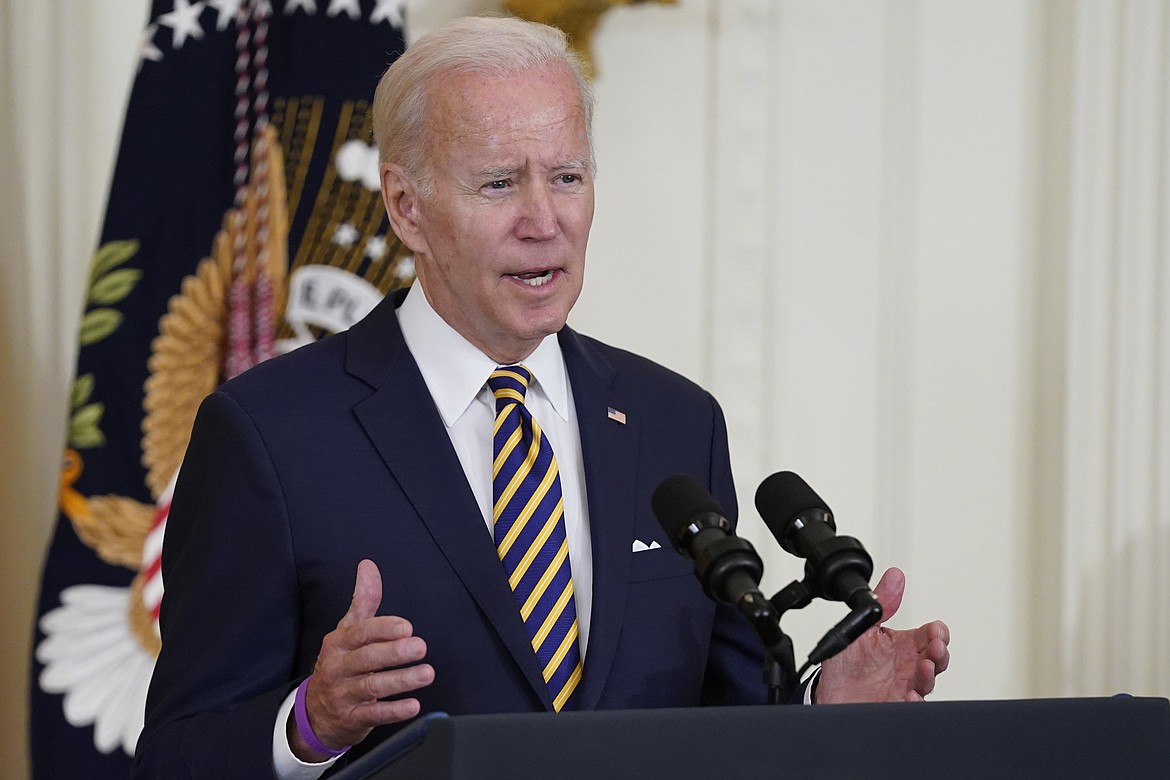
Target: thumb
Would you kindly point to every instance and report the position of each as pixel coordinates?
(367, 594)
(889, 592)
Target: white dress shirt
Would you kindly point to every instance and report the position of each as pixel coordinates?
(456, 375)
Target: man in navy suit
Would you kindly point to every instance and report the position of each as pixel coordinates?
(329, 561)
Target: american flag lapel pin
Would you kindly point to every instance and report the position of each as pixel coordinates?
(615, 415)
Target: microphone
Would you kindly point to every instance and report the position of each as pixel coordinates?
(837, 568)
(803, 525)
(728, 568)
(726, 565)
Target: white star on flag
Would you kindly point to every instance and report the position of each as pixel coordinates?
(358, 161)
(184, 21)
(388, 10)
(308, 6)
(149, 50)
(376, 248)
(405, 268)
(345, 234)
(349, 6)
(228, 10)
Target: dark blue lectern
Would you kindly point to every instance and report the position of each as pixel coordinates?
(1121, 737)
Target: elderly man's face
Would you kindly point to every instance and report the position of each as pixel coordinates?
(502, 255)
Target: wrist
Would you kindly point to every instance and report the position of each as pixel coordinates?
(303, 734)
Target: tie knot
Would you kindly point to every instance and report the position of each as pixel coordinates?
(510, 383)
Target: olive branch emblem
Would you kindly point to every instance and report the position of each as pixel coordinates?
(108, 285)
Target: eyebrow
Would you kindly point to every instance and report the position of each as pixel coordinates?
(497, 172)
(507, 171)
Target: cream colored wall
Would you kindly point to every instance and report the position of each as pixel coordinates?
(825, 212)
(850, 220)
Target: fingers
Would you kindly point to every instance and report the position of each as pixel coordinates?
(394, 682)
(378, 655)
(933, 640)
(937, 630)
(889, 592)
(934, 661)
(367, 594)
(940, 654)
(924, 678)
(392, 711)
(371, 631)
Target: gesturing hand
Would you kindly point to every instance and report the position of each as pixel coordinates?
(363, 661)
(887, 664)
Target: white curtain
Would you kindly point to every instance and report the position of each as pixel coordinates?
(65, 73)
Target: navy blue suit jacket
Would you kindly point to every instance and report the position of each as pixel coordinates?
(310, 462)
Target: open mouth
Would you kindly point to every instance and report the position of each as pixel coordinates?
(534, 279)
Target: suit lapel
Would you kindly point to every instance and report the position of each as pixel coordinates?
(610, 452)
(401, 420)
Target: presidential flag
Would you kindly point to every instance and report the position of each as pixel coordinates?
(243, 220)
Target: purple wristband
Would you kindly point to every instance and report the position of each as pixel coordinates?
(306, 730)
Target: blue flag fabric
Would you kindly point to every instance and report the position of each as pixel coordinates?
(243, 219)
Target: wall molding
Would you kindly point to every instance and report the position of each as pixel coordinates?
(1117, 517)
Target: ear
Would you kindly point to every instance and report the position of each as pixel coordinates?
(402, 206)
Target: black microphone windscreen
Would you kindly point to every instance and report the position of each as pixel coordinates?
(782, 497)
(677, 500)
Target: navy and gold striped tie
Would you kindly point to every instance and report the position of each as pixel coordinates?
(529, 522)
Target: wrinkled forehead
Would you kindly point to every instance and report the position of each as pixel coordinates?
(463, 101)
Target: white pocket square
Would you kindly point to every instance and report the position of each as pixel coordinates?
(640, 546)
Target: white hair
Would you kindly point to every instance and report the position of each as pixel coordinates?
(497, 46)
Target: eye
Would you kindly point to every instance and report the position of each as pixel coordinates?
(569, 178)
(498, 184)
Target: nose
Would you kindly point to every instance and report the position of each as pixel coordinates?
(538, 216)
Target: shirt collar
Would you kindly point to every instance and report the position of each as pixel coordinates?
(456, 371)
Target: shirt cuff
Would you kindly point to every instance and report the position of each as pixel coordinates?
(286, 765)
(809, 685)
